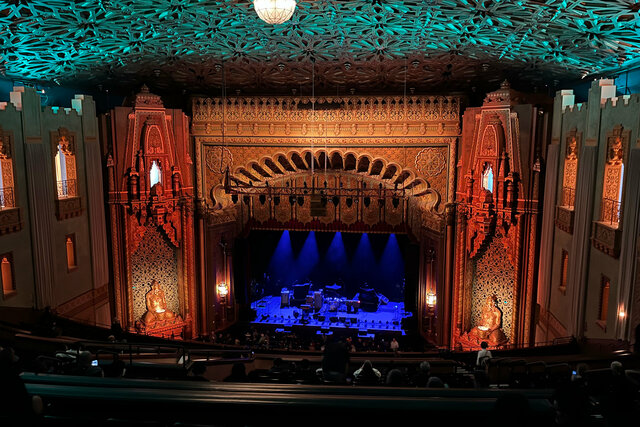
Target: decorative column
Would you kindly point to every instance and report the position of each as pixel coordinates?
(580, 243)
(628, 254)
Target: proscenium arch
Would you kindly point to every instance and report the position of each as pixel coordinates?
(281, 165)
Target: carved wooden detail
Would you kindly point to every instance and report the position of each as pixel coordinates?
(69, 207)
(151, 194)
(606, 238)
(497, 229)
(10, 220)
(564, 218)
(378, 142)
(325, 117)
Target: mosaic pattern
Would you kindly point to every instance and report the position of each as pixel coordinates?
(493, 275)
(155, 259)
(431, 161)
(360, 44)
(218, 159)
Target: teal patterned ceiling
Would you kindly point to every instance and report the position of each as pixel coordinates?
(365, 45)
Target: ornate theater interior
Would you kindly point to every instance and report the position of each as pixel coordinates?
(199, 189)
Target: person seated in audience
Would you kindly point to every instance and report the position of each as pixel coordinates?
(335, 361)
(511, 409)
(367, 374)
(483, 355)
(83, 365)
(571, 399)
(238, 374)
(198, 369)
(394, 346)
(620, 400)
(421, 377)
(436, 382)
(395, 378)
(305, 374)
(15, 402)
(279, 371)
(116, 329)
(117, 368)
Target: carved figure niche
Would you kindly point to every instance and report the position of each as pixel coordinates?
(612, 187)
(570, 173)
(65, 166)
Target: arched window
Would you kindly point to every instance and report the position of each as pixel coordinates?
(564, 267)
(155, 174)
(570, 173)
(61, 165)
(487, 178)
(6, 274)
(65, 166)
(70, 244)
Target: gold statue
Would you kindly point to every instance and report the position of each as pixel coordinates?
(156, 306)
(489, 328)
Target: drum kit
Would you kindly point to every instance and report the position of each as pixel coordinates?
(337, 302)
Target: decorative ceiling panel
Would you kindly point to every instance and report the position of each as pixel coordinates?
(442, 44)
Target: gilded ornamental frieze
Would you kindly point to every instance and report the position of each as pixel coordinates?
(327, 117)
(264, 145)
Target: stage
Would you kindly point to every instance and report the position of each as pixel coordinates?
(386, 319)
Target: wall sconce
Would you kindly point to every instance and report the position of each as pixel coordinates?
(621, 314)
(223, 290)
(431, 300)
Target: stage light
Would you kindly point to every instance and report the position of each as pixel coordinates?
(223, 290)
(431, 300)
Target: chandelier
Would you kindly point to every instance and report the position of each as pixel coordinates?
(274, 11)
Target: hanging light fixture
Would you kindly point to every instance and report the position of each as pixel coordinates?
(274, 11)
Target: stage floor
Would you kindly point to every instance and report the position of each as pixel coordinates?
(388, 318)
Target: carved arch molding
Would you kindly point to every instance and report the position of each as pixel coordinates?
(423, 182)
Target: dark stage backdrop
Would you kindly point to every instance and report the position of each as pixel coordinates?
(385, 262)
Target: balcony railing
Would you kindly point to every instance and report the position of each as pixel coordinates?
(67, 188)
(568, 197)
(610, 211)
(7, 199)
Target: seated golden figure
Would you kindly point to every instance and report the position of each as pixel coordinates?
(490, 329)
(156, 306)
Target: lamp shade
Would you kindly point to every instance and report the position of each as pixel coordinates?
(274, 11)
